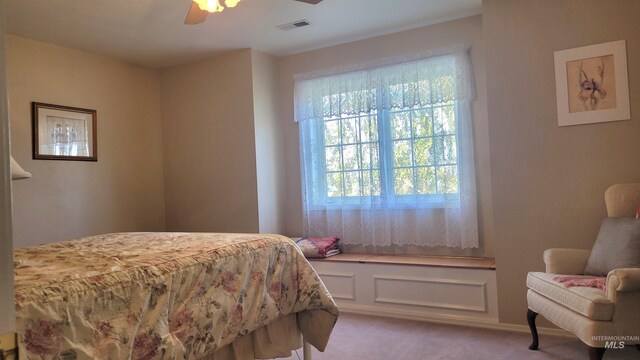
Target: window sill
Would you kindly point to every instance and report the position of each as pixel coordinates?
(461, 262)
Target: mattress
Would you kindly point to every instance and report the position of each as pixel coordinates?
(162, 295)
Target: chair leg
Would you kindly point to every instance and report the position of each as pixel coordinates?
(531, 319)
(595, 353)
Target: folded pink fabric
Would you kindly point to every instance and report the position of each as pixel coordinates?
(319, 247)
(598, 282)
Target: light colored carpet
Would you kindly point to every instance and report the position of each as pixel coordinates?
(358, 337)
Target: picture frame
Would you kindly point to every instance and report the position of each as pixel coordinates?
(64, 133)
(592, 84)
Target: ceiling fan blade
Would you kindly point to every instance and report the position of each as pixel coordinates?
(312, 2)
(195, 15)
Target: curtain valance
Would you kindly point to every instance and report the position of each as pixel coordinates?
(423, 79)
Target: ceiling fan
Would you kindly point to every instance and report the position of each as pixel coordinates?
(201, 8)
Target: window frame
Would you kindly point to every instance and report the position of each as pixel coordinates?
(387, 197)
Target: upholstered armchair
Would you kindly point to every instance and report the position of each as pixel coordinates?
(602, 319)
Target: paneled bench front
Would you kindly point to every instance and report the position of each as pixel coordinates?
(434, 288)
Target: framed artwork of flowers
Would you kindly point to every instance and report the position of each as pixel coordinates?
(64, 133)
(592, 84)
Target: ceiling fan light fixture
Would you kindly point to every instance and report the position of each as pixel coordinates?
(231, 3)
(199, 10)
(209, 5)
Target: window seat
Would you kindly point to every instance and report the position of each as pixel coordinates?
(453, 289)
(462, 262)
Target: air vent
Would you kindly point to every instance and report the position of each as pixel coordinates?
(294, 25)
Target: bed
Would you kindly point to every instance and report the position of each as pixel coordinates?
(169, 296)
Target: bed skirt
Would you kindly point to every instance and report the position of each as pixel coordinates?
(277, 339)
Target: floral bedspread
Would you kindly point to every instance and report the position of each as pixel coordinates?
(162, 295)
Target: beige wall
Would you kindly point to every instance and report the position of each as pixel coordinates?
(209, 147)
(69, 199)
(464, 31)
(269, 143)
(549, 181)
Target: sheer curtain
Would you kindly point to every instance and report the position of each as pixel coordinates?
(387, 151)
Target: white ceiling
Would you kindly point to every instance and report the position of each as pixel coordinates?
(152, 32)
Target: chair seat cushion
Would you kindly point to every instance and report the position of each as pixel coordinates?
(587, 301)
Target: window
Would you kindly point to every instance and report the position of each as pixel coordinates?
(417, 148)
(394, 138)
(351, 157)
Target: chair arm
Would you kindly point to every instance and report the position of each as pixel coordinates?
(622, 280)
(623, 289)
(566, 261)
